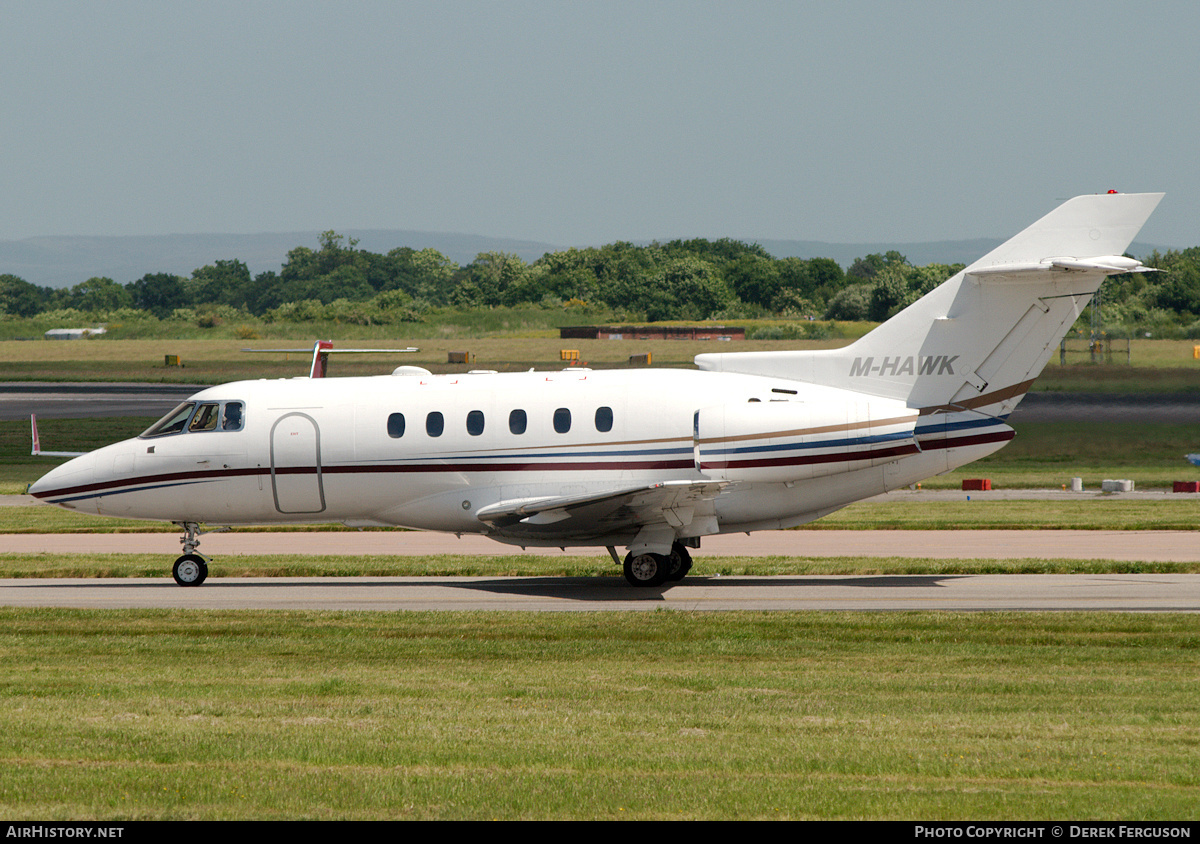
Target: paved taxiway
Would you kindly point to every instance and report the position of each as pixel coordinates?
(1128, 545)
(49, 400)
(948, 592)
(1045, 593)
(1112, 592)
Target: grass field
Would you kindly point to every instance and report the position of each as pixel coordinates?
(660, 715)
(15, 565)
(1046, 455)
(1157, 366)
(669, 715)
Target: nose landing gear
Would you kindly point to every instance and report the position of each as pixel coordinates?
(191, 569)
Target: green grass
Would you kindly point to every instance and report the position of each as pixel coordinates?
(18, 469)
(1093, 513)
(20, 565)
(502, 340)
(661, 715)
(1046, 455)
(268, 715)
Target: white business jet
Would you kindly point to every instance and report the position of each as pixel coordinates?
(652, 460)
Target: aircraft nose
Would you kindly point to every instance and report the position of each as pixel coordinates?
(61, 483)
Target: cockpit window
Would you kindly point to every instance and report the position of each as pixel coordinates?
(197, 417)
(205, 418)
(173, 422)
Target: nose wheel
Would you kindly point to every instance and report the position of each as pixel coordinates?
(190, 570)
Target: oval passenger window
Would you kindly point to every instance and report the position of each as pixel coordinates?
(562, 420)
(434, 424)
(517, 421)
(475, 423)
(395, 426)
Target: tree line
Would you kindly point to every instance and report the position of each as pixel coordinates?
(680, 280)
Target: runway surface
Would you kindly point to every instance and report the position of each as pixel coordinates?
(1043, 593)
(1144, 546)
(49, 400)
(699, 592)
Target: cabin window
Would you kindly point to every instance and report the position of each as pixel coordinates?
(233, 416)
(562, 420)
(206, 418)
(434, 424)
(475, 423)
(517, 421)
(604, 419)
(395, 426)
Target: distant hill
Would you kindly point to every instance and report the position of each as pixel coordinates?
(64, 261)
(918, 254)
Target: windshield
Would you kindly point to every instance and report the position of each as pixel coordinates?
(173, 422)
(198, 417)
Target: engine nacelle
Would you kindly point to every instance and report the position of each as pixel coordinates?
(794, 440)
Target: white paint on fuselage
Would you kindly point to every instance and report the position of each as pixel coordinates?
(438, 483)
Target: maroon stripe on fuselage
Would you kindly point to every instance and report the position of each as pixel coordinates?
(975, 439)
(810, 459)
(115, 486)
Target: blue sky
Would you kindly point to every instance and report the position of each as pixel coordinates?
(578, 123)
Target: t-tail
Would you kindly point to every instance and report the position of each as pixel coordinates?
(976, 343)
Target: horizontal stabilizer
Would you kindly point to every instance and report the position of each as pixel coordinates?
(37, 443)
(1083, 227)
(322, 349)
(1107, 264)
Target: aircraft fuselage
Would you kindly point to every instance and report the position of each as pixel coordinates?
(432, 451)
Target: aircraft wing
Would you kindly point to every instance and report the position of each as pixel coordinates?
(683, 506)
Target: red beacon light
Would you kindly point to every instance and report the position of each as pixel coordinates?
(1112, 191)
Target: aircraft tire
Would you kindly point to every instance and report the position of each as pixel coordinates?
(647, 569)
(190, 570)
(681, 562)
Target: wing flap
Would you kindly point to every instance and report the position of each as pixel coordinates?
(680, 505)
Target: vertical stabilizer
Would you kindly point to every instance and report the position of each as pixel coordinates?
(979, 339)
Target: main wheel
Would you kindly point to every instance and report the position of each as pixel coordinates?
(190, 570)
(681, 562)
(647, 569)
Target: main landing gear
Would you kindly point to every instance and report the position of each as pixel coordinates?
(648, 569)
(190, 569)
